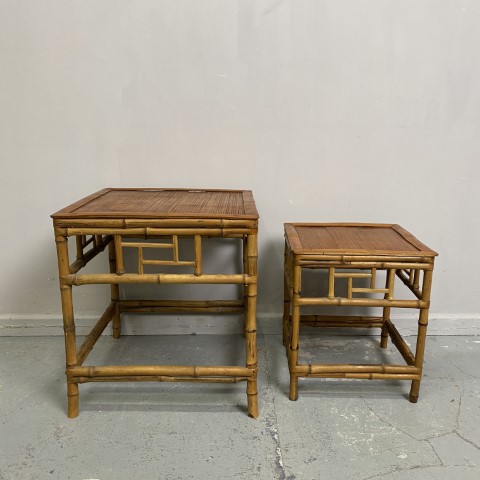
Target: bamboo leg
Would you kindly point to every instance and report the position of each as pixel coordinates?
(119, 254)
(251, 328)
(293, 347)
(422, 333)
(198, 254)
(68, 324)
(386, 310)
(286, 312)
(115, 292)
(245, 292)
(384, 334)
(286, 302)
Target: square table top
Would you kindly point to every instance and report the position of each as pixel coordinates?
(354, 238)
(155, 203)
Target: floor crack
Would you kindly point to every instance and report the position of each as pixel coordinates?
(408, 469)
(272, 429)
(463, 371)
(436, 453)
(470, 442)
(390, 424)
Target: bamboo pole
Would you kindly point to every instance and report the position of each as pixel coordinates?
(114, 292)
(416, 279)
(198, 255)
(354, 368)
(79, 243)
(390, 284)
(386, 310)
(177, 263)
(68, 323)
(400, 343)
(361, 302)
(393, 261)
(184, 306)
(331, 283)
(199, 223)
(126, 304)
(286, 299)
(148, 245)
(422, 333)
(140, 261)
(245, 286)
(251, 326)
(152, 231)
(294, 341)
(181, 309)
(367, 376)
(352, 275)
(341, 321)
(384, 332)
(175, 251)
(100, 278)
(119, 255)
(373, 278)
(128, 223)
(95, 333)
(159, 370)
(162, 378)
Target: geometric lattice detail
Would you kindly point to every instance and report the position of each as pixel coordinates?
(413, 276)
(350, 276)
(175, 261)
(83, 241)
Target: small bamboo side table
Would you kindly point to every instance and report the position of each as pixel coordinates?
(146, 220)
(354, 253)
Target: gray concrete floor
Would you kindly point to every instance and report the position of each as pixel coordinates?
(336, 430)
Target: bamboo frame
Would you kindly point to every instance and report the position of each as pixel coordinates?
(105, 278)
(161, 232)
(407, 267)
(95, 231)
(115, 292)
(167, 306)
(161, 378)
(159, 370)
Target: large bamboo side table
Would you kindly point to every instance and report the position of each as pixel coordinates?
(145, 220)
(353, 253)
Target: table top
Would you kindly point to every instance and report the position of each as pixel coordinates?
(354, 238)
(154, 203)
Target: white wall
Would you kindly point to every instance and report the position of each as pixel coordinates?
(348, 110)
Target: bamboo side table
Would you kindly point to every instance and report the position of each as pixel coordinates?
(146, 220)
(352, 253)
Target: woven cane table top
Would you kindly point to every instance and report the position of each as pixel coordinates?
(162, 203)
(361, 239)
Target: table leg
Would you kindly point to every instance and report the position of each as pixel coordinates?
(251, 327)
(389, 285)
(245, 288)
(115, 292)
(68, 324)
(384, 334)
(422, 333)
(286, 302)
(286, 313)
(294, 340)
